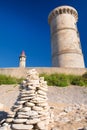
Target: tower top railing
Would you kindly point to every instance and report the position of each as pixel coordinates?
(62, 10)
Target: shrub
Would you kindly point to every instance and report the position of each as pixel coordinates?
(85, 75)
(9, 80)
(63, 80)
(56, 79)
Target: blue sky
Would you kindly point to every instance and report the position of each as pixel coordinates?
(24, 26)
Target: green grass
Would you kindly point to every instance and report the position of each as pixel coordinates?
(63, 80)
(9, 80)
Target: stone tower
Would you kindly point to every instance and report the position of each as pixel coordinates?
(65, 40)
(22, 59)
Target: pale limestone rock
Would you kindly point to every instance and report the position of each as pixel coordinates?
(37, 99)
(41, 78)
(41, 92)
(42, 96)
(10, 115)
(27, 95)
(36, 108)
(22, 116)
(28, 92)
(25, 109)
(29, 104)
(26, 98)
(45, 113)
(36, 82)
(17, 106)
(42, 125)
(8, 120)
(5, 124)
(19, 121)
(43, 89)
(20, 102)
(33, 113)
(23, 113)
(68, 109)
(32, 121)
(43, 118)
(24, 82)
(42, 104)
(31, 87)
(22, 127)
(4, 128)
(55, 128)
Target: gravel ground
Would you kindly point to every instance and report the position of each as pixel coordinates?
(60, 99)
(8, 95)
(66, 95)
(69, 95)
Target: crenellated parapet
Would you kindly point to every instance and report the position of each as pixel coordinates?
(62, 10)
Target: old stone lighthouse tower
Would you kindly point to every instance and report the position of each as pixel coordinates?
(65, 41)
(22, 60)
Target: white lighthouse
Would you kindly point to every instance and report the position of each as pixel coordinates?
(22, 60)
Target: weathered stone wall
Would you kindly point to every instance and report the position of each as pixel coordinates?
(21, 72)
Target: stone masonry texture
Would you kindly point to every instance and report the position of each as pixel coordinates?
(65, 40)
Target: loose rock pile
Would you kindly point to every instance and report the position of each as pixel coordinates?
(31, 111)
(72, 113)
(72, 116)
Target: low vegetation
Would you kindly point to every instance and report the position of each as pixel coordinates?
(63, 80)
(9, 80)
